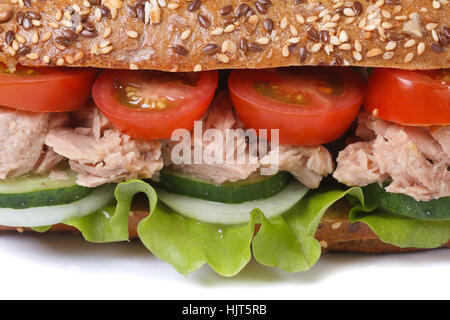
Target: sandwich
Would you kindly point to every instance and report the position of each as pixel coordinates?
(218, 131)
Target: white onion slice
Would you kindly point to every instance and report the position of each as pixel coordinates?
(46, 216)
(233, 213)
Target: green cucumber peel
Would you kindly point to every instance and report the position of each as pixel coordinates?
(377, 197)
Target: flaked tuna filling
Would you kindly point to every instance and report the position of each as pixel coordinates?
(101, 154)
(414, 160)
(22, 142)
(98, 153)
(309, 165)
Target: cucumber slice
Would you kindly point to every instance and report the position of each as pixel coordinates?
(45, 216)
(39, 190)
(253, 188)
(228, 214)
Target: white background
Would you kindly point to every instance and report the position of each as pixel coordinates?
(65, 266)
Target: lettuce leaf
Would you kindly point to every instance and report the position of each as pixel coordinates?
(402, 231)
(286, 242)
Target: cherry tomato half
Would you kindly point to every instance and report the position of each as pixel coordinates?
(152, 104)
(46, 89)
(309, 106)
(410, 97)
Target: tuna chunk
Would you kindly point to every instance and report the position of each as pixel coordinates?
(22, 136)
(220, 117)
(411, 158)
(308, 164)
(101, 154)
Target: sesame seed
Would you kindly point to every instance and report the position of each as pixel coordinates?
(409, 57)
(350, 20)
(388, 55)
(54, 25)
(345, 46)
(32, 56)
(373, 52)
(46, 59)
(409, 43)
(293, 30)
(323, 13)
(185, 34)
(324, 244)
(391, 45)
(370, 27)
(46, 36)
(311, 19)
(11, 51)
(401, 18)
(420, 48)
(294, 40)
(217, 32)
(349, 12)
(222, 58)
(316, 47)
(173, 5)
(379, 4)
(336, 225)
(386, 14)
(285, 51)
(133, 66)
(105, 44)
(300, 18)
(436, 4)
(434, 35)
(58, 15)
(35, 37)
(335, 40)
(20, 39)
(229, 28)
(69, 59)
(106, 50)
(67, 23)
(107, 33)
(397, 9)
(284, 23)
(336, 18)
(15, 45)
(358, 46)
(132, 34)
(60, 62)
(357, 55)
(78, 56)
(263, 40)
(431, 26)
(197, 68)
(343, 37)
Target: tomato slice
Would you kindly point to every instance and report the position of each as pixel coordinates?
(46, 89)
(410, 97)
(152, 104)
(310, 106)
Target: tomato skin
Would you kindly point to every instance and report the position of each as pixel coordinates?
(50, 90)
(408, 97)
(312, 125)
(152, 124)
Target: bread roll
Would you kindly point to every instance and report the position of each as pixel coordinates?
(175, 35)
